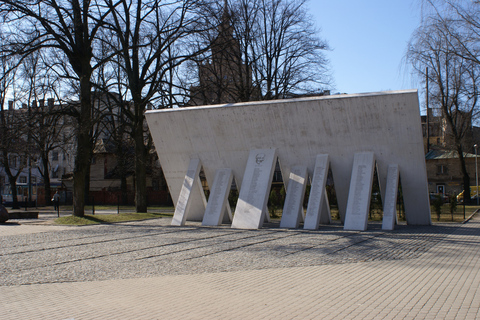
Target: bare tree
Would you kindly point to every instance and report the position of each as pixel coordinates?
(261, 49)
(151, 38)
(69, 28)
(50, 131)
(461, 21)
(46, 126)
(455, 78)
(13, 147)
(291, 57)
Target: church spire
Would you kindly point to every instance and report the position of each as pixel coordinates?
(225, 27)
(226, 14)
(225, 6)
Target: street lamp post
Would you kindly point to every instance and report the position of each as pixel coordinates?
(476, 172)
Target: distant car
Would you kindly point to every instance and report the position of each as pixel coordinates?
(473, 194)
(444, 197)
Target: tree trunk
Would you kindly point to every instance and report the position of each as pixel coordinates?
(84, 147)
(466, 177)
(13, 186)
(123, 179)
(140, 168)
(46, 180)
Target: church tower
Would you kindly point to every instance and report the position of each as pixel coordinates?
(222, 77)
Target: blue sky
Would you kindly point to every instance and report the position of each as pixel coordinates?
(368, 41)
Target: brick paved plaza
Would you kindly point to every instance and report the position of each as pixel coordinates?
(149, 270)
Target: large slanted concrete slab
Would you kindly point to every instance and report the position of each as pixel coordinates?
(385, 123)
(390, 199)
(250, 211)
(360, 191)
(191, 202)
(218, 200)
(293, 207)
(317, 200)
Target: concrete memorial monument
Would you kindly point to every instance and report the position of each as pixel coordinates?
(191, 201)
(317, 201)
(385, 124)
(360, 192)
(252, 201)
(293, 208)
(390, 201)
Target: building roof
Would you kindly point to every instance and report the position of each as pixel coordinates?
(446, 154)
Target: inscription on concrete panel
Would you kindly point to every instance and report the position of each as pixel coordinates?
(358, 204)
(185, 198)
(256, 183)
(218, 199)
(293, 208)
(317, 199)
(390, 201)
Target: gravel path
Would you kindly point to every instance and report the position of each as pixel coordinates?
(151, 248)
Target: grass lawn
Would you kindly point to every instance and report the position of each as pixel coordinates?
(130, 215)
(108, 218)
(123, 208)
(458, 215)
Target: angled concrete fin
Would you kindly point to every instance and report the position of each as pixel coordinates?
(217, 204)
(317, 199)
(390, 199)
(293, 207)
(191, 201)
(252, 201)
(360, 192)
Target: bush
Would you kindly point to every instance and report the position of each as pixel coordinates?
(233, 198)
(273, 204)
(437, 205)
(276, 201)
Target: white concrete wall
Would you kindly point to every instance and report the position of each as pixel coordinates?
(221, 136)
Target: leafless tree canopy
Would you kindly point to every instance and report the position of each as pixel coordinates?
(261, 49)
(68, 29)
(138, 54)
(448, 44)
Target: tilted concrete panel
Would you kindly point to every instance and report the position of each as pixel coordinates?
(221, 136)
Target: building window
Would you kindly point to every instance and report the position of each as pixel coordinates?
(55, 172)
(442, 169)
(441, 188)
(55, 156)
(22, 179)
(34, 180)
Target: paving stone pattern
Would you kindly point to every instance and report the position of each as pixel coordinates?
(152, 248)
(149, 270)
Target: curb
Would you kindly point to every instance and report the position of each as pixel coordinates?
(471, 216)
